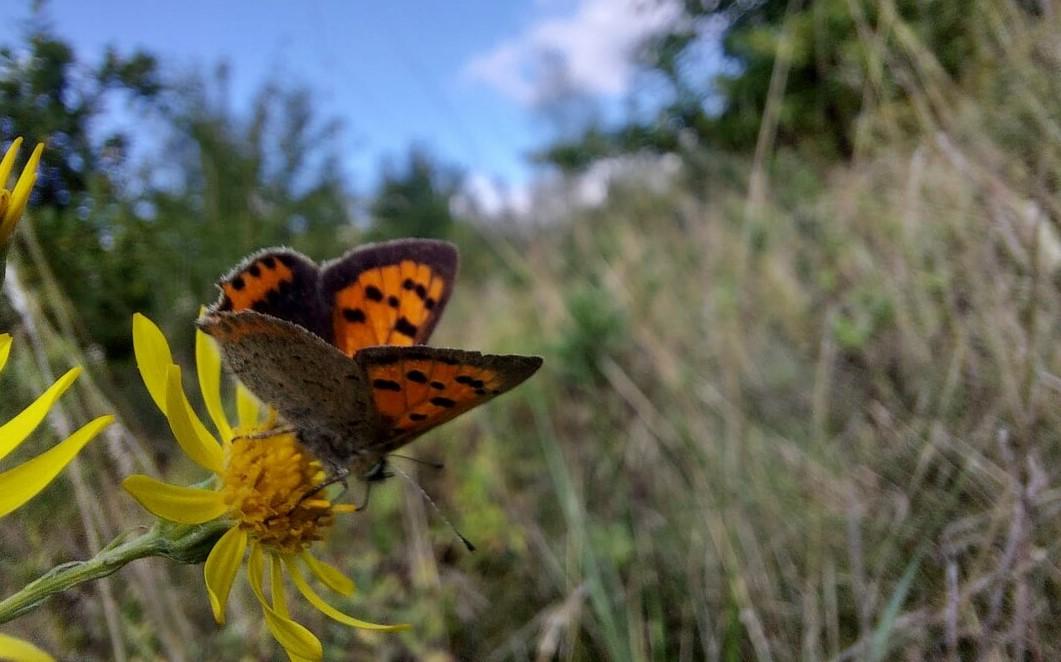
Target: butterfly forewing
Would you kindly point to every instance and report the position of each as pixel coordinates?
(278, 282)
(388, 294)
(418, 388)
(315, 387)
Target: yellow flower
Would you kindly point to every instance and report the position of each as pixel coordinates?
(22, 483)
(267, 486)
(13, 202)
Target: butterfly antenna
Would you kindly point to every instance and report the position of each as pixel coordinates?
(434, 465)
(427, 497)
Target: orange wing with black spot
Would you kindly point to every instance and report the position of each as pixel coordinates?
(391, 293)
(278, 282)
(418, 388)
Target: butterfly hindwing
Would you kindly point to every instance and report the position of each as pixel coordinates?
(390, 293)
(280, 282)
(315, 387)
(418, 388)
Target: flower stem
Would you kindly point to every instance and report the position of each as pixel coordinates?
(3, 264)
(180, 542)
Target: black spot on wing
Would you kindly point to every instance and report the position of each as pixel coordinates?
(386, 385)
(446, 403)
(416, 376)
(406, 328)
(353, 315)
(374, 293)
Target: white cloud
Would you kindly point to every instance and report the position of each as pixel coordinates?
(553, 195)
(488, 196)
(595, 47)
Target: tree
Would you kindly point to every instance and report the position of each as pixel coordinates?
(834, 48)
(155, 240)
(413, 199)
(48, 95)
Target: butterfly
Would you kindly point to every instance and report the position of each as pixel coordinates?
(338, 349)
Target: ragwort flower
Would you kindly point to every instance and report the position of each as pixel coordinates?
(13, 202)
(267, 485)
(20, 484)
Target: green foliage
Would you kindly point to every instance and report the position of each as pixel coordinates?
(118, 243)
(595, 330)
(835, 63)
(413, 199)
(47, 95)
(868, 312)
(241, 183)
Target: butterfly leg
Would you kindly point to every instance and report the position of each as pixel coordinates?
(368, 494)
(270, 432)
(376, 474)
(339, 475)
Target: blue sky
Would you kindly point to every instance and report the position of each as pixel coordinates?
(462, 78)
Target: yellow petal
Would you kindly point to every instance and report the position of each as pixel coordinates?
(9, 161)
(15, 431)
(296, 640)
(19, 485)
(153, 358)
(194, 439)
(276, 581)
(5, 349)
(20, 195)
(247, 407)
(208, 367)
(18, 650)
(276, 586)
(221, 567)
(329, 575)
(307, 592)
(185, 505)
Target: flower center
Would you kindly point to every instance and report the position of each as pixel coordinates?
(269, 484)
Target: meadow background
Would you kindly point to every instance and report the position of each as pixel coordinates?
(802, 371)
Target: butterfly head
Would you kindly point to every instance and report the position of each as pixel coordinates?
(377, 473)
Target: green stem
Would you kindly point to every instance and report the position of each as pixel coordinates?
(180, 542)
(3, 264)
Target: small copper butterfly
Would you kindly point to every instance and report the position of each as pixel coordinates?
(338, 349)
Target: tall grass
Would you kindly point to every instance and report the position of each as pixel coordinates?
(815, 420)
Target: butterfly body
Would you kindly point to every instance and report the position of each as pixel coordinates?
(335, 349)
